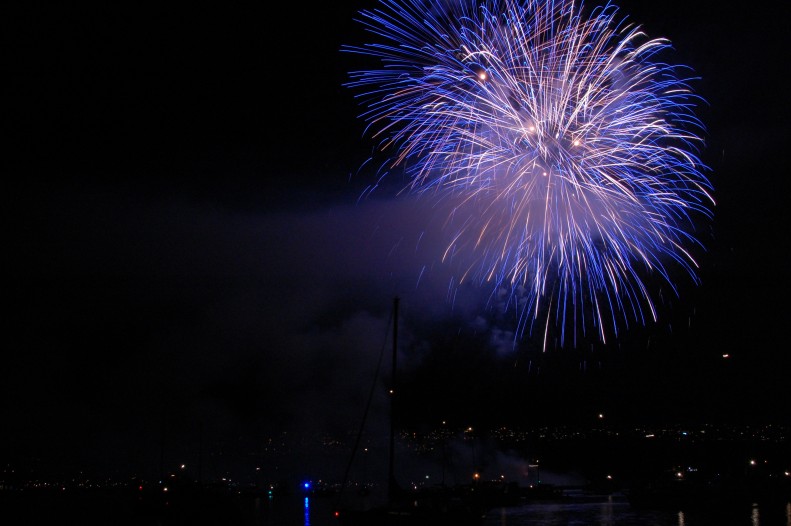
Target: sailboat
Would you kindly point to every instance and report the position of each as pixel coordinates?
(444, 506)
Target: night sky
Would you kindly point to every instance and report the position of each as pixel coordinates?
(186, 251)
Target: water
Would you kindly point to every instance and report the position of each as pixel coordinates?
(318, 511)
(612, 512)
(620, 513)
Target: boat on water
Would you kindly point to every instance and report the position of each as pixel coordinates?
(436, 506)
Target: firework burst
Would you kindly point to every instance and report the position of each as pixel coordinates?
(564, 151)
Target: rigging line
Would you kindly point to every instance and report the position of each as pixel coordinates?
(367, 408)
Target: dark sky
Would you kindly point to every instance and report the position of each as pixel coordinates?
(186, 250)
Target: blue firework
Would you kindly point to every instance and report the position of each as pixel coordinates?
(564, 150)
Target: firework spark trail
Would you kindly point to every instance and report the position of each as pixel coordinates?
(564, 150)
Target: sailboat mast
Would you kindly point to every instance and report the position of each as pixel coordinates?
(392, 485)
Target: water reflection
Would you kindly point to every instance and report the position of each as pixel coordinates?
(619, 513)
(607, 511)
(317, 511)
